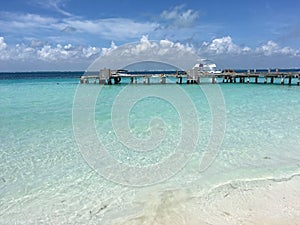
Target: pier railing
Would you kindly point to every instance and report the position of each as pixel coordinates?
(109, 77)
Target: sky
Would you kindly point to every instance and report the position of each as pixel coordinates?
(70, 34)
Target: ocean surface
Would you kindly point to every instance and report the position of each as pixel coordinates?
(47, 175)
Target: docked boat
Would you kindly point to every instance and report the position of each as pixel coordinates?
(207, 68)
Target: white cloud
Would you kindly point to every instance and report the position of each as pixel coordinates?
(226, 46)
(163, 47)
(36, 50)
(106, 51)
(2, 44)
(3, 49)
(66, 52)
(180, 17)
(223, 45)
(90, 51)
(178, 54)
(145, 46)
(55, 5)
(111, 28)
(272, 48)
(15, 22)
(165, 51)
(166, 43)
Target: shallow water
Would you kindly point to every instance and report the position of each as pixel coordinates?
(44, 177)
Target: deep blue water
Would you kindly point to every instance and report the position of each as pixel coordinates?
(39, 75)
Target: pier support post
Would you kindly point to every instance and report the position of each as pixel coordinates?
(272, 80)
(178, 80)
(282, 80)
(290, 80)
(266, 80)
(163, 80)
(213, 80)
(298, 82)
(148, 80)
(256, 80)
(131, 80)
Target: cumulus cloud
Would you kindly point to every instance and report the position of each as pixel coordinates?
(271, 48)
(226, 53)
(180, 17)
(165, 51)
(36, 50)
(224, 45)
(163, 48)
(66, 52)
(181, 55)
(2, 44)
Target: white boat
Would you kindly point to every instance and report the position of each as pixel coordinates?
(207, 67)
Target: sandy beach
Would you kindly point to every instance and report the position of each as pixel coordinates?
(256, 202)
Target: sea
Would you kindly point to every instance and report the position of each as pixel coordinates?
(74, 153)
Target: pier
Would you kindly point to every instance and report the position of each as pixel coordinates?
(111, 77)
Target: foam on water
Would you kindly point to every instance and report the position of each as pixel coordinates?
(44, 178)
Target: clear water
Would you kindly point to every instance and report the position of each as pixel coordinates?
(45, 179)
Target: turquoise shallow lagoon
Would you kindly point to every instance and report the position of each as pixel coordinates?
(45, 179)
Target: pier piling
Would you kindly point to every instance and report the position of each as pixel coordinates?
(290, 80)
(282, 80)
(106, 76)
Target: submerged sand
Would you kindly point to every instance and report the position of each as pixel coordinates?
(269, 201)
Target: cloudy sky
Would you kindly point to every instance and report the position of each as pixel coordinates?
(71, 34)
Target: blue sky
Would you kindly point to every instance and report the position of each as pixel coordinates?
(70, 34)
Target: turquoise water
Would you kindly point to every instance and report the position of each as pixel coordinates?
(44, 177)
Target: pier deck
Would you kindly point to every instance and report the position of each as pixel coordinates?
(191, 77)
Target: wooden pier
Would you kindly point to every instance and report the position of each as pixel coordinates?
(193, 76)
